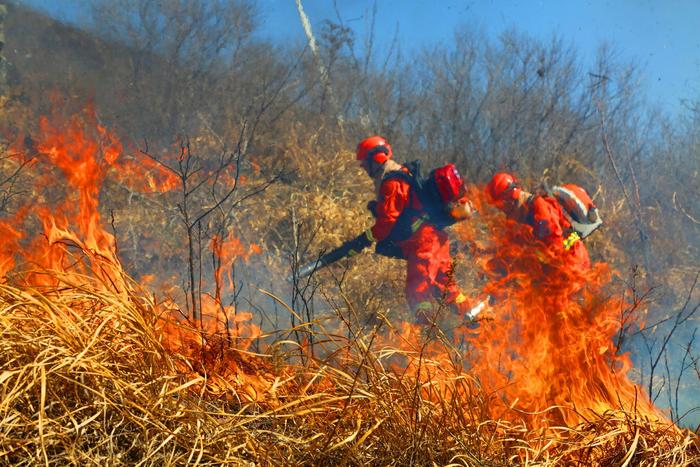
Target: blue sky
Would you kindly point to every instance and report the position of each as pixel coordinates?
(661, 36)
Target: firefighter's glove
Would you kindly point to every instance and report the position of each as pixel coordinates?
(372, 207)
(364, 240)
(368, 237)
(361, 242)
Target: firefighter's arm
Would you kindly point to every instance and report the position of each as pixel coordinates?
(547, 224)
(393, 198)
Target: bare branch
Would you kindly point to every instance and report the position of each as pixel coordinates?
(678, 206)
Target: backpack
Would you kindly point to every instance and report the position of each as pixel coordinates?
(578, 208)
(442, 193)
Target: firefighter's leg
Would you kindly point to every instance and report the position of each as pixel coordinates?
(445, 287)
(420, 252)
(418, 290)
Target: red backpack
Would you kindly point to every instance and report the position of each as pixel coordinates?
(442, 193)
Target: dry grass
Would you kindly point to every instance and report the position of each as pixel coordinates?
(90, 376)
(86, 379)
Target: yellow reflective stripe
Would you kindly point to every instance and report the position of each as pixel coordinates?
(424, 306)
(416, 224)
(460, 298)
(369, 235)
(570, 240)
(351, 253)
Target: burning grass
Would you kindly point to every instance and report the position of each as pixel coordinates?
(95, 370)
(86, 379)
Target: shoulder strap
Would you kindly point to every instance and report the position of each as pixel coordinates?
(411, 176)
(403, 228)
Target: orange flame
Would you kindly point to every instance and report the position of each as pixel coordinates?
(74, 157)
(549, 354)
(550, 350)
(227, 251)
(82, 157)
(230, 372)
(141, 173)
(11, 237)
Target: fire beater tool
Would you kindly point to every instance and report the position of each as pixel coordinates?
(349, 248)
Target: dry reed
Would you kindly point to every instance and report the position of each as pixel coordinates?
(87, 380)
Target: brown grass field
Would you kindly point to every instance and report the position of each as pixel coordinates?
(89, 379)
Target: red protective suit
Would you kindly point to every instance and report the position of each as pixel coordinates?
(545, 215)
(426, 250)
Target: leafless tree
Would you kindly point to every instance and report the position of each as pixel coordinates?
(208, 196)
(178, 51)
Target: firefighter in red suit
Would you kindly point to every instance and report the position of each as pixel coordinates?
(400, 220)
(544, 213)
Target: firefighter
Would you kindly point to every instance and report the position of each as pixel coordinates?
(544, 213)
(401, 221)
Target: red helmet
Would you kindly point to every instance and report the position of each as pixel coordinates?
(376, 147)
(503, 186)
